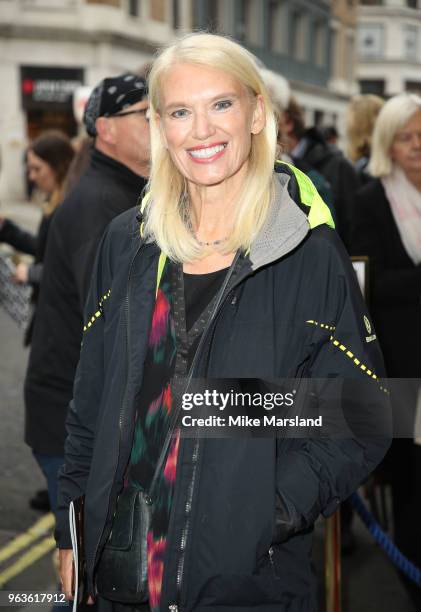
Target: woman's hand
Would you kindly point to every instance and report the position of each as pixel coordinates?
(20, 275)
(66, 569)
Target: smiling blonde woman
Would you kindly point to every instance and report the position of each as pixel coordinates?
(232, 269)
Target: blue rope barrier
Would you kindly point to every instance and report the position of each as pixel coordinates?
(397, 558)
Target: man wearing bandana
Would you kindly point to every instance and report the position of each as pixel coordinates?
(116, 117)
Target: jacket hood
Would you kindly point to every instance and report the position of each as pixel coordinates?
(285, 228)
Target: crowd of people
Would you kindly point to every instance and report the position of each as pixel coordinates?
(191, 184)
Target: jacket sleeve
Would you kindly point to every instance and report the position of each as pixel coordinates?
(35, 273)
(19, 239)
(314, 475)
(84, 407)
(82, 261)
(393, 285)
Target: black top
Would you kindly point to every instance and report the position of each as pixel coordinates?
(199, 290)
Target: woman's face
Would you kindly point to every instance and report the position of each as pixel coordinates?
(207, 120)
(406, 146)
(41, 173)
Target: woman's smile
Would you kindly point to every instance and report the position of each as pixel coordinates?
(205, 154)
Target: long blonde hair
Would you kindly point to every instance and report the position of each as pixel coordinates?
(168, 206)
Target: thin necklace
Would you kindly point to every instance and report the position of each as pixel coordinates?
(212, 243)
(188, 222)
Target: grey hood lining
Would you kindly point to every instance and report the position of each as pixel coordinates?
(284, 229)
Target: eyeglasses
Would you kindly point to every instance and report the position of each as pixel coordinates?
(139, 111)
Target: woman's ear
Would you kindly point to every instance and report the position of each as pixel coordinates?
(259, 116)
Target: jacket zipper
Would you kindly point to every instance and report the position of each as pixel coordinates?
(174, 607)
(272, 562)
(186, 529)
(124, 400)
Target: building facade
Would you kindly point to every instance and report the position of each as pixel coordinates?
(310, 42)
(389, 46)
(49, 48)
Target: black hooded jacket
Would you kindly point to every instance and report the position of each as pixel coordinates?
(294, 309)
(107, 189)
(340, 174)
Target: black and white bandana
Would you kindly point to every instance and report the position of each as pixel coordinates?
(111, 96)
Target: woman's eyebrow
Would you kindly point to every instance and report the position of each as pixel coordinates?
(184, 104)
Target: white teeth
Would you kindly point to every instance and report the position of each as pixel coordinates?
(208, 152)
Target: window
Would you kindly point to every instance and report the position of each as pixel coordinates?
(276, 29)
(319, 115)
(299, 36)
(175, 14)
(350, 58)
(371, 2)
(413, 87)
(249, 27)
(411, 4)
(319, 44)
(134, 8)
(372, 86)
(410, 38)
(371, 40)
(158, 12)
(224, 16)
(212, 16)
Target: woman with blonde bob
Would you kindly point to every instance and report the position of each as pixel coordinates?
(388, 230)
(231, 269)
(361, 117)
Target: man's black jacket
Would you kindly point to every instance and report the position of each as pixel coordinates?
(293, 310)
(339, 172)
(107, 189)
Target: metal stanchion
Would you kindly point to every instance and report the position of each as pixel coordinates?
(333, 563)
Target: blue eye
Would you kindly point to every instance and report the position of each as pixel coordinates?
(180, 113)
(223, 104)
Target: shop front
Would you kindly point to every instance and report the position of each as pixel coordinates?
(47, 96)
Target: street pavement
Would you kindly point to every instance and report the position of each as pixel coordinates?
(369, 581)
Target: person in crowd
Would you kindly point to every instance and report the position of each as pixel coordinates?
(280, 94)
(221, 274)
(116, 118)
(361, 116)
(387, 228)
(48, 159)
(330, 134)
(308, 145)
